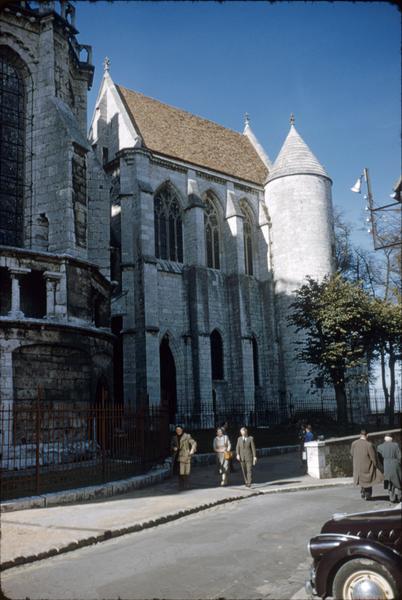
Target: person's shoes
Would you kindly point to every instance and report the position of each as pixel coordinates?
(248, 485)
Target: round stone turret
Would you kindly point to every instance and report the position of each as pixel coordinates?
(298, 198)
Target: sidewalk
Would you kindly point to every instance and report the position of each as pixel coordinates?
(37, 533)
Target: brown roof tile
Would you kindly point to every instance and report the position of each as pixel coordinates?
(179, 134)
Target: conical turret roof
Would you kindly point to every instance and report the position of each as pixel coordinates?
(296, 158)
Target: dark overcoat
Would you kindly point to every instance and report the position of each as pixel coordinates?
(390, 453)
(365, 471)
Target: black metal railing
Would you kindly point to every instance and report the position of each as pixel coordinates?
(47, 447)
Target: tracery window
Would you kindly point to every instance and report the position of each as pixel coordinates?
(12, 142)
(212, 236)
(168, 225)
(248, 242)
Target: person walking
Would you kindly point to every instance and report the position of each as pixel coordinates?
(308, 437)
(390, 455)
(246, 455)
(301, 432)
(183, 447)
(365, 471)
(222, 449)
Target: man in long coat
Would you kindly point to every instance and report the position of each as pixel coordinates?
(246, 454)
(365, 471)
(390, 454)
(183, 447)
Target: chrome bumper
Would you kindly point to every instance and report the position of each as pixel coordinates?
(309, 586)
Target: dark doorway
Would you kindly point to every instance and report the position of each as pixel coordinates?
(168, 380)
(216, 356)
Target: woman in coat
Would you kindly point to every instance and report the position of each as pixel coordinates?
(365, 471)
(390, 454)
(221, 447)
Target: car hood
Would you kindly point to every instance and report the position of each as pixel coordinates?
(384, 526)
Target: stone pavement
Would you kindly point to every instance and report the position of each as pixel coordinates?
(38, 533)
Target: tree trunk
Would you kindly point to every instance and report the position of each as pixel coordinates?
(384, 381)
(340, 397)
(391, 365)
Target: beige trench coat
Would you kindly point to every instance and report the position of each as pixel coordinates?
(184, 447)
(365, 471)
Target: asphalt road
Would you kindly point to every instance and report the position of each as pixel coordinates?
(256, 548)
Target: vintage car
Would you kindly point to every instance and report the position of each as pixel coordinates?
(358, 557)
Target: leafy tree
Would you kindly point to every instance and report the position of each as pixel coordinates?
(380, 275)
(336, 318)
(388, 342)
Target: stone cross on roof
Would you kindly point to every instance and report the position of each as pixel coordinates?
(106, 64)
(292, 119)
(246, 119)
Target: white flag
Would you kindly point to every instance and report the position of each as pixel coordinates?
(357, 186)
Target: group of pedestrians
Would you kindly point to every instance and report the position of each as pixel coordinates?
(371, 466)
(183, 447)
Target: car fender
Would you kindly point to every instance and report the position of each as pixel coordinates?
(331, 561)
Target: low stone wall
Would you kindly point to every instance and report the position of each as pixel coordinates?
(331, 458)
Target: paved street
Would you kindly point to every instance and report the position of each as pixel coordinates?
(32, 532)
(255, 548)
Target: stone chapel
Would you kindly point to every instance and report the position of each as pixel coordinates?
(156, 257)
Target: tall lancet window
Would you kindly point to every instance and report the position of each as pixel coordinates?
(248, 241)
(12, 142)
(168, 225)
(212, 237)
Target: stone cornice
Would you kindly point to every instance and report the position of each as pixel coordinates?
(43, 324)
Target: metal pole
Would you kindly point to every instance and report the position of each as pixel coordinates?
(39, 399)
(370, 203)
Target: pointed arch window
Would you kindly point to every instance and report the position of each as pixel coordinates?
(168, 225)
(248, 242)
(212, 234)
(255, 362)
(216, 355)
(12, 148)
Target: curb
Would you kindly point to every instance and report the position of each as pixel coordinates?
(110, 534)
(121, 486)
(89, 492)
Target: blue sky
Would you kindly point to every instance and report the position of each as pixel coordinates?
(336, 66)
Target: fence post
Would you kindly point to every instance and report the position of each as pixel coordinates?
(103, 430)
(39, 398)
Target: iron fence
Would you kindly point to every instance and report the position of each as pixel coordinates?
(378, 404)
(47, 447)
(260, 415)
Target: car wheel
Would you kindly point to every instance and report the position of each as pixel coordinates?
(363, 579)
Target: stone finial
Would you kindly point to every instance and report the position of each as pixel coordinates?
(246, 119)
(106, 64)
(292, 119)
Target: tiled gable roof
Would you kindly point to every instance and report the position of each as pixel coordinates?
(178, 134)
(296, 158)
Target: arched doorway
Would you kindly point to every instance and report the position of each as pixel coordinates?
(168, 380)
